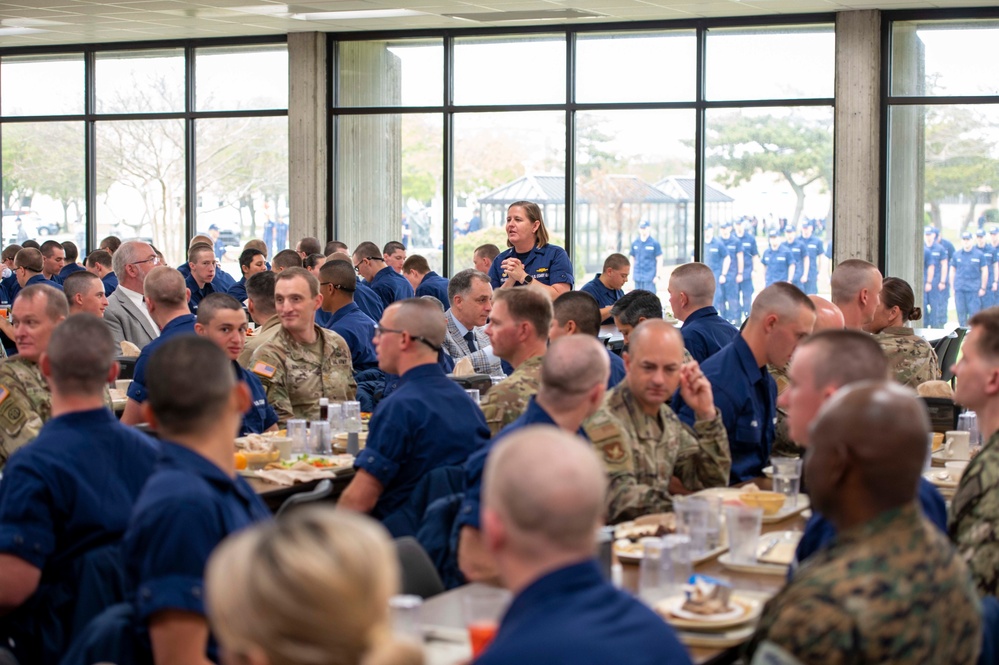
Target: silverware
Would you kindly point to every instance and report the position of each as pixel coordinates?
(770, 546)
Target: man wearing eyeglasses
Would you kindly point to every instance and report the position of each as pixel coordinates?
(126, 313)
(386, 282)
(337, 284)
(427, 422)
(302, 362)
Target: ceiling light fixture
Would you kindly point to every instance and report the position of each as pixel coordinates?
(356, 15)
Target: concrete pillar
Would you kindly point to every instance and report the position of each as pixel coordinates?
(307, 136)
(856, 188)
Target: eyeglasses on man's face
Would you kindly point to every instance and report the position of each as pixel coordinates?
(381, 330)
(155, 260)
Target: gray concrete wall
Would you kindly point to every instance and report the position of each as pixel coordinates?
(307, 136)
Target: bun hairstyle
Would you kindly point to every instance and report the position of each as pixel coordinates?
(896, 292)
(311, 588)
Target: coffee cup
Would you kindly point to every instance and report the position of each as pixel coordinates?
(957, 445)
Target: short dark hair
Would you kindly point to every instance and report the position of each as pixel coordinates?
(48, 246)
(286, 258)
(393, 246)
(334, 246)
(461, 283)
(211, 304)
(896, 292)
(247, 255)
(194, 379)
(199, 248)
(339, 273)
(580, 307)
(488, 250)
(72, 251)
(30, 244)
(99, 256)
(56, 305)
(368, 250)
(616, 261)
(292, 273)
(417, 263)
(29, 258)
(260, 289)
(311, 260)
(309, 245)
(529, 305)
(10, 251)
(844, 356)
(110, 244)
(81, 352)
(636, 305)
(76, 282)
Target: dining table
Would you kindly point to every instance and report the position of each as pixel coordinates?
(446, 642)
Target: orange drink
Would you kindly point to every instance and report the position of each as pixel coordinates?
(480, 634)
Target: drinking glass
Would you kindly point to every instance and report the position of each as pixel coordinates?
(968, 422)
(319, 437)
(483, 607)
(743, 524)
(474, 394)
(677, 549)
(298, 432)
(655, 572)
(405, 611)
(692, 519)
(787, 478)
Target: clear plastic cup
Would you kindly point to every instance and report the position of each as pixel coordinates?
(677, 549)
(474, 394)
(405, 611)
(298, 432)
(483, 607)
(319, 437)
(655, 574)
(787, 478)
(743, 526)
(694, 519)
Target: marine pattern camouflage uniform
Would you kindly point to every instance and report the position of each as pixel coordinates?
(641, 454)
(892, 590)
(506, 401)
(783, 445)
(25, 404)
(295, 377)
(911, 358)
(974, 517)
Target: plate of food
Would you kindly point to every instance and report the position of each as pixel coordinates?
(628, 535)
(254, 451)
(306, 462)
(708, 605)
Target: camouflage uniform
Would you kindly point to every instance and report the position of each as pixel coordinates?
(642, 453)
(25, 404)
(506, 401)
(892, 590)
(974, 517)
(295, 377)
(783, 445)
(911, 358)
(263, 334)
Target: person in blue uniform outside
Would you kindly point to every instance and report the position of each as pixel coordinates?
(821, 365)
(646, 252)
(704, 331)
(572, 387)
(218, 247)
(778, 258)
(193, 500)
(543, 503)
(934, 260)
(166, 300)
(222, 320)
(729, 281)
(969, 275)
(990, 255)
(427, 422)
(337, 284)
(530, 260)
(425, 282)
(68, 493)
(251, 261)
(791, 240)
(575, 313)
(383, 279)
(750, 256)
(606, 288)
(814, 251)
(716, 257)
(948, 247)
(743, 389)
(994, 277)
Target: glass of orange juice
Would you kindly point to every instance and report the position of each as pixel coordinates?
(483, 607)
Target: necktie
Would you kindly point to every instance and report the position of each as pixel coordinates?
(470, 339)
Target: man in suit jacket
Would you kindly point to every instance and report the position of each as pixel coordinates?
(471, 296)
(126, 314)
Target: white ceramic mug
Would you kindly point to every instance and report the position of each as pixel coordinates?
(956, 445)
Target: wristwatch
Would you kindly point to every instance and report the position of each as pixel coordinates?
(528, 279)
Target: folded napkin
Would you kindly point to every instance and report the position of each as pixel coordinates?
(463, 367)
(303, 472)
(935, 389)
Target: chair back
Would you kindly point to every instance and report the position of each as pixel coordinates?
(943, 413)
(950, 355)
(419, 577)
(322, 490)
(480, 382)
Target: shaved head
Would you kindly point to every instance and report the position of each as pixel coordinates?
(547, 489)
(780, 298)
(651, 333)
(850, 277)
(846, 466)
(421, 318)
(697, 281)
(827, 315)
(165, 286)
(572, 366)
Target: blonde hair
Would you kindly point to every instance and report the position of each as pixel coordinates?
(309, 589)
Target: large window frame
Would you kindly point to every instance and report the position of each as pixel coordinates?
(189, 116)
(448, 109)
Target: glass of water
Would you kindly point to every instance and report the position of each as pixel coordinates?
(787, 478)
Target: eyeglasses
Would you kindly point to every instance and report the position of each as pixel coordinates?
(357, 268)
(339, 287)
(155, 260)
(380, 330)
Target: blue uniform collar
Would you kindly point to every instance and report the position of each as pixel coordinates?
(747, 361)
(702, 313)
(174, 455)
(428, 277)
(181, 321)
(421, 372)
(90, 418)
(349, 308)
(534, 414)
(558, 584)
(381, 274)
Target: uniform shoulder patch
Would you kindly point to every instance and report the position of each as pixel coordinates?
(602, 431)
(614, 452)
(263, 369)
(4, 394)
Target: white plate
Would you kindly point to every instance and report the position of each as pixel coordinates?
(950, 482)
(745, 609)
(941, 456)
(768, 471)
(676, 609)
(635, 555)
